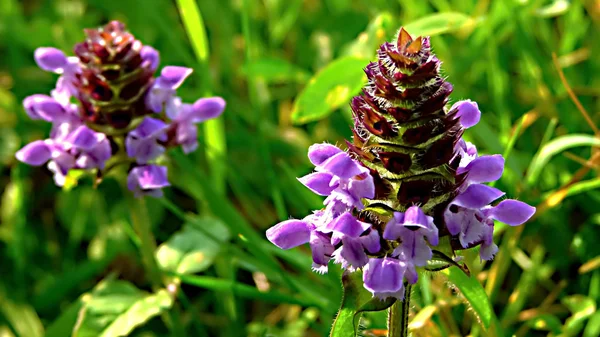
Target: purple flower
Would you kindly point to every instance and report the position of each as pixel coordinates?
(110, 86)
(69, 147)
(147, 180)
(416, 232)
(471, 217)
(292, 233)
(142, 143)
(479, 169)
(384, 277)
(342, 179)
(349, 231)
(165, 86)
(184, 118)
(467, 111)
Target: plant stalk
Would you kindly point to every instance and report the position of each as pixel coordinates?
(141, 225)
(398, 316)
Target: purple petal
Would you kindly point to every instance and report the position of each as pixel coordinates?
(511, 212)
(362, 187)
(353, 252)
(342, 166)
(454, 220)
(472, 230)
(83, 138)
(321, 248)
(487, 252)
(172, 77)
(319, 153)
(151, 56)
(30, 105)
(95, 157)
(43, 107)
(477, 196)
(156, 97)
(415, 217)
(289, 234)
(385, 277)
(35, 153)
(468, 112)
(187, 136)
(485, 169)
(348, 225)
(147, 179)
(371, 242)
(149, 127)
(50, 59)
(413, 248)
(318, 182)
(411, 274)
(144, 150)
(393, 228)
(59, 176)
(204, 109)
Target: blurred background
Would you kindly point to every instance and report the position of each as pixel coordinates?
(69, 259)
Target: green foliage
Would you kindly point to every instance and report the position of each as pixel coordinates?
(355, 302)
(288, 70)
(190, 250)
(330, 89)
(116, 308)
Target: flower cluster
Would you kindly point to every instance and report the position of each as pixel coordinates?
(108, 109)
(407, 179)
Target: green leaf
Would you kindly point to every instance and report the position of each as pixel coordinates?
(275, 70)
(21, 317)
(474, 294)
(190, 250)
(546, 322)
(554, 147)
(439, 23)
(356, 300)
(378, 31)
(329, 89)
(63, 325)
(115, 308)
(592, 329)
(582, 308)
(556, 8)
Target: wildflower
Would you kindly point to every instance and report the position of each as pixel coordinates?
(108, 106)
(407, 179)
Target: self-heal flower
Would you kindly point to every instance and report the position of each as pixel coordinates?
(407, 179)
(292, 233)
(384, 277)
(68, 148)
(348, 231)
(184, 117)
(147, 180)
(108, 104)
(164, 88)
(142, 143)
(471, 217)
(342, 179)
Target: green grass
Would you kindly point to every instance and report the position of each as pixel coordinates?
(72, 258)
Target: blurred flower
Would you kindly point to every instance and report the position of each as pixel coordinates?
(407, 180)
(147, 179)
(122, 113)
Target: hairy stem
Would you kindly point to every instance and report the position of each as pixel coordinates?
(398, 316)
(141, 225)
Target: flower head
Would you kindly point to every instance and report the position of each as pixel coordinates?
(407, 179)
(122, 112)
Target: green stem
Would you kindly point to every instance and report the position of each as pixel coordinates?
(141, 225)
(398, 316)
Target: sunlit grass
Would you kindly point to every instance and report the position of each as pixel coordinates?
(265, 58)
